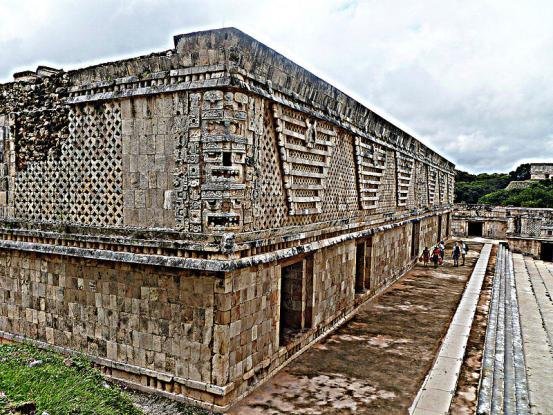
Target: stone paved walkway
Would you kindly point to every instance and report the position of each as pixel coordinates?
(376, 363)
(534, 283)
(439, 387)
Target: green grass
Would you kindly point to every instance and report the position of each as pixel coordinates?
(55, 387)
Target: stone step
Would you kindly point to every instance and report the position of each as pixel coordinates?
(503, 387)
(486, 390)
(519, 366)
(536, 333)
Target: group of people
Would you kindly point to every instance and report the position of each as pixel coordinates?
(436, 255)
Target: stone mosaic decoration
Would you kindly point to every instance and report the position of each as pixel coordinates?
(306, 147)
(432, 185)
(371, 164)
(442, 186)
(169, 196)
(83, 186)
(405, 167)
(215, 156)
(450, 188)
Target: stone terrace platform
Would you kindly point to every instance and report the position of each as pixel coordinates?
(376, 363)
(517, 374)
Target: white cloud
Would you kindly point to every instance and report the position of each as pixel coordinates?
(472, 78)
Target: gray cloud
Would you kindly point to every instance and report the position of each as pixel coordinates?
(472, 79)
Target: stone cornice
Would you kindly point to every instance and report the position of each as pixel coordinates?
(198, 264)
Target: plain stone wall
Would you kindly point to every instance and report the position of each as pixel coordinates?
(148, 317)
(148, 158)
(429, 233)
(391, 255)
(253, 298)
(525, 246)
(541, 171)
(494, 229)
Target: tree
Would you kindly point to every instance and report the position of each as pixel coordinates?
(538, 195)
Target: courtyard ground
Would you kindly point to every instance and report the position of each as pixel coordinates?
(376, 363)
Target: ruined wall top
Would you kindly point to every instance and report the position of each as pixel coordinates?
(541, 171)
(522, 222)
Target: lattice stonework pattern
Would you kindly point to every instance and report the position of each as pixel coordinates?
(451, 188)
(84, 184)
(432, 185)
(405, 167)
(442, 182)
(371, 163)
(306, 147)
(533, 226)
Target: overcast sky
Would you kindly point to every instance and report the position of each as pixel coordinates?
(472, 79)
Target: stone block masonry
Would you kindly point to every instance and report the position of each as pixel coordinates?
(528, 230)
(193, 219)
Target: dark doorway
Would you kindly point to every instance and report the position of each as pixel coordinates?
(415, 239)
(447, 225)
(546, 252)
(368, 263)
(296, 299)
(439, 237)
(360, 267)
(308, 294)
(475, 228)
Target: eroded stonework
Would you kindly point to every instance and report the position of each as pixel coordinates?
(528, 230)
(194, 219)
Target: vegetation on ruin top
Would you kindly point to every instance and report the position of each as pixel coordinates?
(54, 384)
(490, 189)
(538, 194)
(469, 188)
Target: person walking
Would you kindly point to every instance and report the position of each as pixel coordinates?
(441, 245)
(436, 256)
(425, 256)
(456, 254)
(464, 250)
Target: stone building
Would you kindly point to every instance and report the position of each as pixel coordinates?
(541, 171)
(194, 219)
(528, 230)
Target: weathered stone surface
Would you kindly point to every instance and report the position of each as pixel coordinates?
(526, 229)
(153, 223)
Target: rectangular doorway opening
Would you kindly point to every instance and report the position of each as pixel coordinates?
(296, 299)
(439, 236)
(546, 252)
(475, 229)
(368, 263)
(360, 267)
(363, 260)
(415, 239)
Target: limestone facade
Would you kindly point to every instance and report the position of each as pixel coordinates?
(541, 171)
(528, 230)
(193, 219)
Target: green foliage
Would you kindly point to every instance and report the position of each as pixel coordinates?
(55, 387)
(522, 172)
(538, 195)
(471, 188)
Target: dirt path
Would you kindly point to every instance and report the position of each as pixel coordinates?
(376, 363)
